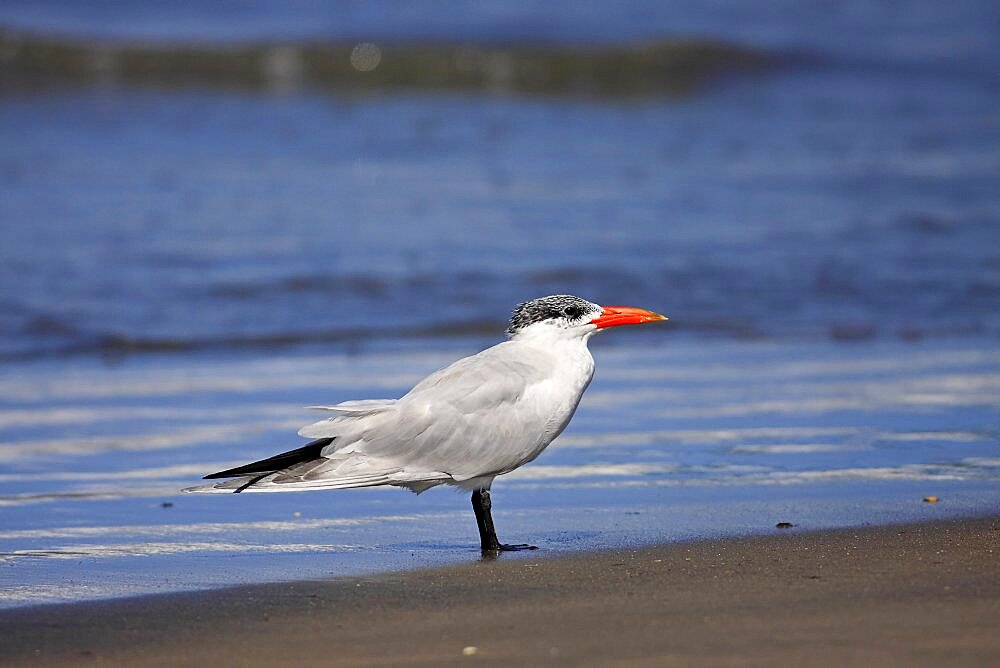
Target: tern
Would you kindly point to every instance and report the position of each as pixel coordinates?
(464, 425)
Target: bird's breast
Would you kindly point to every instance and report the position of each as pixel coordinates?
(549, 405)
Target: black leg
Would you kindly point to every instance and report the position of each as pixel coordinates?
(482, 506)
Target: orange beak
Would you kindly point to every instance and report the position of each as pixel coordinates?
(625, 315)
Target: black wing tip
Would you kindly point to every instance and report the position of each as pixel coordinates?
(271, 464)
(234, 473)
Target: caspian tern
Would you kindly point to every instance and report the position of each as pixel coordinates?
(463, 425)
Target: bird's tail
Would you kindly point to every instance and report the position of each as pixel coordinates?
(335, 471)
(266, 483)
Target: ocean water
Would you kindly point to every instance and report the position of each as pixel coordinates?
(918, 31)
(674, 440)
(181, 270)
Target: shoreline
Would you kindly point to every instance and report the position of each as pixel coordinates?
(911, 593)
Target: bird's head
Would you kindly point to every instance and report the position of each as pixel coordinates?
(573, 313)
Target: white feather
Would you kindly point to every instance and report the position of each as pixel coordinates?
(362, 406)
(480, 417)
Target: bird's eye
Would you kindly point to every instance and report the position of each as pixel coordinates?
(572, 312)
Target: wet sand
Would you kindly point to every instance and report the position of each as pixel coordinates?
(923, 594)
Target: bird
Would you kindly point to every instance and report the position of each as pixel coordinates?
(478, 418)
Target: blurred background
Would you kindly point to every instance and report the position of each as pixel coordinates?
(214, 213)
(181, 176)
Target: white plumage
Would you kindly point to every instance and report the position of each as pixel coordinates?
(463, 425)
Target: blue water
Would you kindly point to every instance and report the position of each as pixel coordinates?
(182, 269)
(918, 31)
(809, 204)
(674, 440)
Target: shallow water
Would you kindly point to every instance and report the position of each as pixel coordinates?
(671, 442)
(182, 269)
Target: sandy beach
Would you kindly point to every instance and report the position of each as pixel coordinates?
(918, 594)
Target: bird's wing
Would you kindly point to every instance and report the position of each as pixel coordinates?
(481, 415)
(481, 383)
(359, 408)
(478, 417)
(334, 472)
(346, 416)
(308, 452)
(496, 376)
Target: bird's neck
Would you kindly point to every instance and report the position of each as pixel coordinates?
(545, 334)
(567, 350)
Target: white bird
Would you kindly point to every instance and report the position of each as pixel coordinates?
(463, 425)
